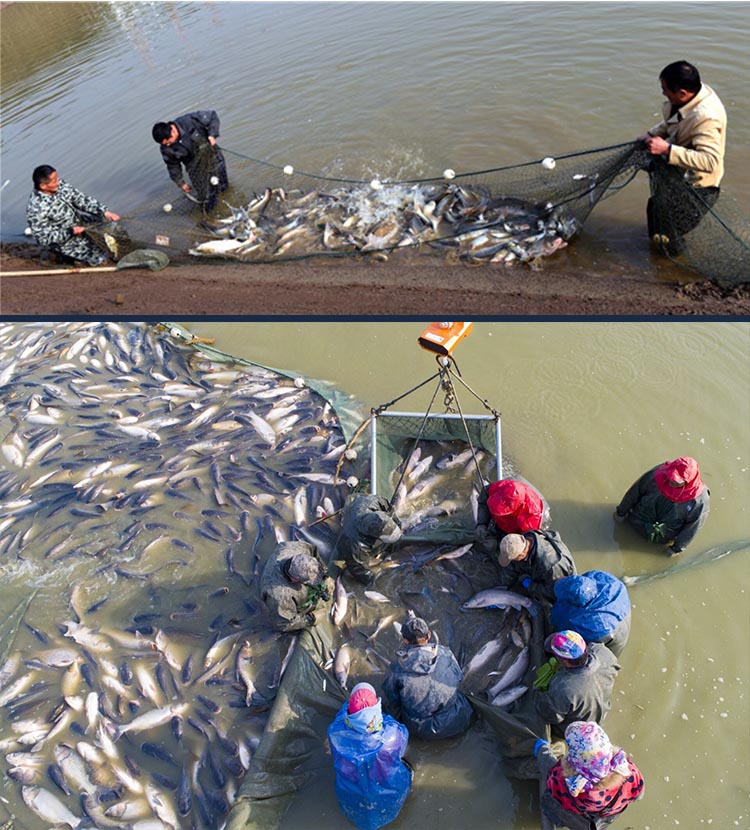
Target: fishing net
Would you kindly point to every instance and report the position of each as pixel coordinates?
(433, 468)
(703, 229)
(291, 776)
(505, 216)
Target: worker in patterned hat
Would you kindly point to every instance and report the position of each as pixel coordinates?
(667, 505)
(295, 587)
(372, 778)
(592, 784)
(582, 687)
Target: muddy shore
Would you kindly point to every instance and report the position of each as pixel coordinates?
(416, 287)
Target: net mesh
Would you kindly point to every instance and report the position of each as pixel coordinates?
(508, 215)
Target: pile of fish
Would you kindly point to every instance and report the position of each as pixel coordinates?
(439, 480)
(466, 220)
(489, 630)
(144, 482)
(142, 486)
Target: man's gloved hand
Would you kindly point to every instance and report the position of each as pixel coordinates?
(618, 518)
(672, 550)
(539, 744)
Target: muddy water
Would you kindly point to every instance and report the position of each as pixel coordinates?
(587, 408)
(399, 90)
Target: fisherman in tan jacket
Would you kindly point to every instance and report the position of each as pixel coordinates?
(692, 138)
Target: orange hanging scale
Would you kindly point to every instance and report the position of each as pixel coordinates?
(442, 338)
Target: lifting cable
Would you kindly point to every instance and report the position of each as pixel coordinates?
(445, 375)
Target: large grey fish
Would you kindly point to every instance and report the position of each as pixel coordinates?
(507, 696)
(497, 598)
(341, 664)
(49, 807)
(514, 673)
(486, 653)
(340, 602)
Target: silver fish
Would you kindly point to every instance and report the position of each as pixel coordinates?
(49, 807)
(507, 696)
(341, 665)
(497, 598)
(514, 673)
(486, 653)
(340, 602)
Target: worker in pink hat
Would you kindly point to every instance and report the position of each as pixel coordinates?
(667, 505)
(372, 778)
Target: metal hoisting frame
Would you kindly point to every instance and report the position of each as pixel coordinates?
(448, 373)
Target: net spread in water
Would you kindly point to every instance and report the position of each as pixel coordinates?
(510, 215)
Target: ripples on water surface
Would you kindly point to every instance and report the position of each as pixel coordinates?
(356, 90)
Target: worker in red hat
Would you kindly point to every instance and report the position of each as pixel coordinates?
(372, 778)
(667, 505)
(510, 505)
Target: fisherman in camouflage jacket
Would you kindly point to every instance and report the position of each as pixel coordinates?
(57, 214)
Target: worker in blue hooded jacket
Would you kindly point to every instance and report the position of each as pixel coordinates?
(596, 605)
(372, 778)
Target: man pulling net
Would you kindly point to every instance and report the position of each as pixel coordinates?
(190, 140)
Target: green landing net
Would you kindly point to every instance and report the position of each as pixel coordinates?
(506, 215)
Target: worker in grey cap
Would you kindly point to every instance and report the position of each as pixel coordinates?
(368, 527)
(531, 563)
(295, 587)
(420, 687)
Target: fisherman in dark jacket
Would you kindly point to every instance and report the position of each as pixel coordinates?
(295, 587)
(667, 505)
(368, 526)
(190, 140)
(421, 686)
(582, 687)
(531, 562)
(596, 605)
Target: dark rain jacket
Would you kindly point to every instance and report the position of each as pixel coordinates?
(660, 519)
(421, 689)
(596, 605)
(365, 518)
(580, 694)
(548, 560)
(195, 128)
(288, 602)
(372, 781)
